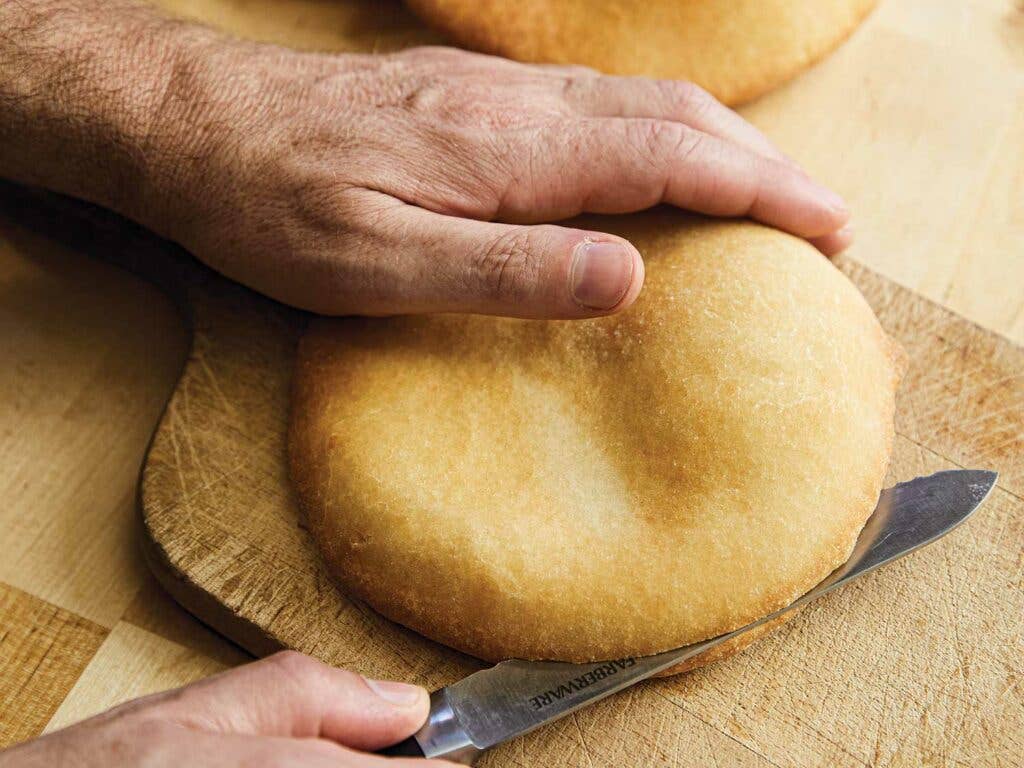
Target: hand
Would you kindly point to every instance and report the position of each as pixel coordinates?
(377, 184)
(287, 710)
(370, 184)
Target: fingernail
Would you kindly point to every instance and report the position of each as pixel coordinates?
(847, 232)
(601, 274)
(400, 694)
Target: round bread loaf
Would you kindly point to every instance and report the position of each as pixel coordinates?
(736, 49)
(586, 490)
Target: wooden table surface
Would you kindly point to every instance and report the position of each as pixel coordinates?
(88, 354)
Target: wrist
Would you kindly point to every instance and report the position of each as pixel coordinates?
(188, 133)
(87, 96)
(225, 131)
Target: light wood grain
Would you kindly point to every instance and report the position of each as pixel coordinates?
(875, 675)
(925, 142)
(131, 663)
(44, 649)
(892, 672)
(88, 354)
(155, 611)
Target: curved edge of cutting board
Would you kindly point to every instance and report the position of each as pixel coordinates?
(243, 488)
(186, 282)
(200, 603)
(253, 575)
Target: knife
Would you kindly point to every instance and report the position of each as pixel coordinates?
(515, 697)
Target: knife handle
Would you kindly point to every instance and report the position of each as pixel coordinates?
(442, 736)
(407, 748)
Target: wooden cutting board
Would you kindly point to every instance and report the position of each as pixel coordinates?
(917, 664)
(921, 660)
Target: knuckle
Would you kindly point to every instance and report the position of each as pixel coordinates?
(347, 679)
(354, 211)
(506, 268)
(567, 70)
(689, 145)
(427, 93)
(295, 664)
(442, 53)
(308, 672)
(439, 59)
(575, 84)
(315, 199)
(148, 730)
(424, 51)
(692, 97)
(419, 56)
(660, 140)
(125, 742)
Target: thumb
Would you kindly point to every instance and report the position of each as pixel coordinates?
(541, 271)
(431, 262)
(293, 695)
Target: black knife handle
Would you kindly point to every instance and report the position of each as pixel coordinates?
(407, 748)
(442, 737)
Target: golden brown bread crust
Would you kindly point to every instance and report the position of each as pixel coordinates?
(736, 49)
(596, 489)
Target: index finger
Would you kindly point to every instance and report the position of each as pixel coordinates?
(620, 165)
(292, 695)
(676, 100)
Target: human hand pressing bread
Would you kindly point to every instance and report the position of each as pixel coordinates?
(286, 710)
(377, 184)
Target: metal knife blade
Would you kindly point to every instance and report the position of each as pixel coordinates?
(515, 697)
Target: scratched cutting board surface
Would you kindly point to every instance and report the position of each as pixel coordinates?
(917, 664)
